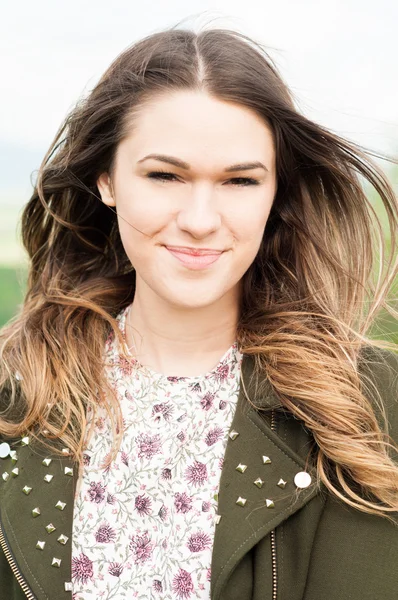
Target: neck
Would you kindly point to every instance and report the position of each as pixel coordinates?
(179, 341)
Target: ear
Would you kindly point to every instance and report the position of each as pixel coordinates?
(104, 185)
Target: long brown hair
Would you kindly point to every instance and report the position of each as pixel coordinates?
(308, 299)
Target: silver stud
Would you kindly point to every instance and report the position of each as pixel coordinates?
(62, 539)
(241, 468)
(50, 528)
(14, 456)
(60, 505)
(15, 472)
(48, 477)
(68, 586)
(40, 545)
(25, 441)
(259, 482)
(56, 562)
(269, 503)
(302, 479)
(47, 462)
(241, 501)
(217, 519)
(5, 475)
(26, 490)
(5, 450)
(65, 451)
(36, 512)
(68, 471)
(266, 460)
(233, 434)
(281, 483)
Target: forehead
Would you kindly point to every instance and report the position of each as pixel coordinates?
(194, 125)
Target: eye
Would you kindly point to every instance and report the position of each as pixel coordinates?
(165, 176)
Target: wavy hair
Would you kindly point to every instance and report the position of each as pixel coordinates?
(321, 275)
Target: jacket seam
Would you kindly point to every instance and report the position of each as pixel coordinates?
(22, 556)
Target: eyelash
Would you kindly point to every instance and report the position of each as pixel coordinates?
(160, 175)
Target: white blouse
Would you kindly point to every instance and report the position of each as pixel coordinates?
(143, 527)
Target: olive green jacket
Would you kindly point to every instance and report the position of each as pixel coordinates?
(278, 536)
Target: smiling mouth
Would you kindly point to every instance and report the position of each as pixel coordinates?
(193, 259)
(194, 251)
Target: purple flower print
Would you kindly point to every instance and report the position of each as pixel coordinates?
(125, 459)
(165, 408)
(208, 574)
(182, 584)
(142, 547)
(222, 372)
(196, 473)
(181, 436)
(198, 541)
(124, 365)
(82, 569)
(206, 506)
(163, 512)
(222, 404)
(110, 499)
(182, 502)
(115, 569)
(96, 492)
(148, 445)
(166, 474)
(86, 459)
(213, 436)
(105, 534)
(157, 585)
(207, 401)
(143, 505)
(195, 387)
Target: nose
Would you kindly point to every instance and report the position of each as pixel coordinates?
(199, 215)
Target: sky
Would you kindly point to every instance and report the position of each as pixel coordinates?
(338, 58)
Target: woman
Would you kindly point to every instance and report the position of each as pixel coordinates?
(191, 406)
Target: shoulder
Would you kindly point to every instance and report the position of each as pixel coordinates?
(378, 369)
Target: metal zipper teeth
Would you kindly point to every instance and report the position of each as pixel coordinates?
(273, 536)
(25, 588)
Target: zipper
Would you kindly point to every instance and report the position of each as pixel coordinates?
(14, 567)
(273, 536)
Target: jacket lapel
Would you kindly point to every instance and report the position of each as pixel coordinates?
(267, 460)
(36, 512)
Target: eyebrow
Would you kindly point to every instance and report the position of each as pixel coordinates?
(183, 165)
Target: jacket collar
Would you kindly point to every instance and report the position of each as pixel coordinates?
(238, 530)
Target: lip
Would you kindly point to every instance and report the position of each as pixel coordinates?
(193, 260)
(194, 251)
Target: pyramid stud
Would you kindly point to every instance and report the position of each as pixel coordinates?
(5, 450)
(62, 539)
(302, 480)
(40, 545)
(36, 512)
(26, 490)
(259, 482)
(65, 451)
(241, 501)
(60, 505)
(56, 562)
(241, 468)
(68, 586)
(47, 462)
(14, 456)
(233, 434)
(216, 497)
(217, 519)
(281, 483)
(266, 460)
(48, 477)
(5, 475)
(269, 503)
(68, 471)
(15, 472)
(50, 528)
(25, 441)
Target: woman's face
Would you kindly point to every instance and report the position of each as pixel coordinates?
(201, 204)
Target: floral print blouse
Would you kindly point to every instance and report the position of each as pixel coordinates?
(144, 526)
